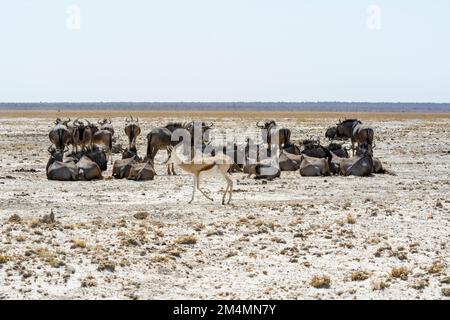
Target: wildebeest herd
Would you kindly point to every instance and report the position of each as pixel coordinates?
(94, 143)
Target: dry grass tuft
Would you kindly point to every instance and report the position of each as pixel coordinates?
(15, 218)
(20, 238)
(320, 282)
(446, 292)
(436, 267)
(186, 240)
(78, 243)
(3, 259)
(350, 219)
(400, 272)
(359, 275)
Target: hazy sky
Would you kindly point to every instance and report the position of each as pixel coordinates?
(228, 50)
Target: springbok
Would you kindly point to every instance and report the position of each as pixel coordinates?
(195, 166)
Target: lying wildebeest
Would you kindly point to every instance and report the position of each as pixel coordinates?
(60, 135)
(142, 171)
(338, 149)
(288, 161)
(356, 131)
(130, 153)
(264, 169)
(284, 134)
(88, 170)
(94, 153)
(58, 170)
(132, 130)
(313, 148)
(82, 135)
(121, 168)
(106, 124)
(291, 148)
(361, 166)
(311, 166)
(377, 164)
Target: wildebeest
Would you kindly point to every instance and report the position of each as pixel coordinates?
(58, 170)
(88, 170)
(288, 161)
(106, 124)
(284, 134)
(132, 130)
(130, 153)
(142, 171)
(356, 131)
(60, 135)
(311, 166)
(338, 149)
(361, 165)
(121, 168)
(377, 164)
(94, 153)
(103, 138)
(82, 135)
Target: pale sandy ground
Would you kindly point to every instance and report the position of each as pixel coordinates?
(269, 244)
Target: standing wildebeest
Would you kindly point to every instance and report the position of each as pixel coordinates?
(356, 131)
(361, 166)
(58, 170)
(284, 135)
(161, 138)
(132, 130)
(105, 124)
(102, 137)
(82, 135)
(60, 134)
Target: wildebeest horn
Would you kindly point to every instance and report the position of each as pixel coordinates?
(51, 149)
(109, 121)
(258, 125)
(127, 120)
(88, 122)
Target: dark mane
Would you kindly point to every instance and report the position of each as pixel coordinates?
(350, 120)
(175, 124)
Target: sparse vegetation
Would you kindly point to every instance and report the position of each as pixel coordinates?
(78, 244)
(446, 292)
(436, 268)
(379, 285)
(320, 282)
(359, 275)
(3, 259)
(186, 240)
(400, 272)
(350, 219)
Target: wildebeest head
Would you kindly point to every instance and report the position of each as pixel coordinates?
(364, 149)
(266, 125)
(331, 133)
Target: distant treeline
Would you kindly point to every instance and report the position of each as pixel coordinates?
(236, 106)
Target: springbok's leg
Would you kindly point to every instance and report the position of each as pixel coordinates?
(229, 187)
(173, 170)
(193, 188)
(198, 187)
